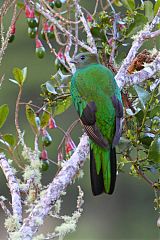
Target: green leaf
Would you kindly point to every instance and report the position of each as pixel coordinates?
(156, 7)
(2, 150)
(147, 138)
(129, 4)
(154, 150)
(139, 21)
(20, 75)
(31, 116)
(139, 116)
(24, 71)
(143, 95)
(62, 106)
(14, 81)
(45, 118)
(149, 13)
(123, 144)
(10, 139)
(154, 111)
(50, 88)
(4, 111)
(118, 3)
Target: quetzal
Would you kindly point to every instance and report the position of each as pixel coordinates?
(98, 102)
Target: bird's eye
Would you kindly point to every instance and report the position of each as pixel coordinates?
(82, 57)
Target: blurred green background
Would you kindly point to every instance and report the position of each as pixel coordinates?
(127, 214)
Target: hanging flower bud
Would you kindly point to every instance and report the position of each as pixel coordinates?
(51, 3)
(52, 123)
(31, 19)
(110, 41)
(58, 62)
(32, 15)
(69, 147)
(51, 34)
(46, 27)
(27, 11)
(38, 43)
(60, 156)
(46, 138)
(44, 155)
(60, 55)
(13, 30)
(40, 50)
(89, 19)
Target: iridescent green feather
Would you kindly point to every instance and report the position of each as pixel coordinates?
(96, 83)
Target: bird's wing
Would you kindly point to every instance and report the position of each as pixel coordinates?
(88, 119)
(119, 115)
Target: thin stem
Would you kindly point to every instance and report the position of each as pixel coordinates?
(110, 4)
(17, 109)
(140, 172)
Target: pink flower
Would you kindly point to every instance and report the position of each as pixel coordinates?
(44, 155)
(38, 43)
(52, 123)
(13, 29)
(89, 18)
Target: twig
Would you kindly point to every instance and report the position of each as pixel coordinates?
(96, 6)
(17, 109)
(5, 209)
(140, 172)
(76, 28)
(5, 40)
(13, 186)
(90, 38)
(47, 15)
(115, 36)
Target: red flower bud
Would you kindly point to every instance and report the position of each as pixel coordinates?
(13, 29)
(52, 123)
(32, 15)
(89, 18)
(110, 41)
(46, 27)
(69, 146)
(60, 156)
(51, 28)
(44, 155)
(38, 43)
(60, 55)
(121, 26)
(27, 11)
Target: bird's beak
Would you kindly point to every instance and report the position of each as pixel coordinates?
(73, 61)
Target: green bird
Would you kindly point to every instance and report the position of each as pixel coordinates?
(97, 100)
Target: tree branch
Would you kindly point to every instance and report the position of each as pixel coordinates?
(13, 186)
(123, 77)
(140, 76)
(55, 189)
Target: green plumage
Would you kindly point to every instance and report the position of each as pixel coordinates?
(94, 84)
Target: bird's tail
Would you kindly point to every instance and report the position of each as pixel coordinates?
(103, 169)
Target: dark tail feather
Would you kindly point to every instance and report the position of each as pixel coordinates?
(96, 180)
(113, 162)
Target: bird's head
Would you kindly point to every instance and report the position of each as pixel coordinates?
(83, 59)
